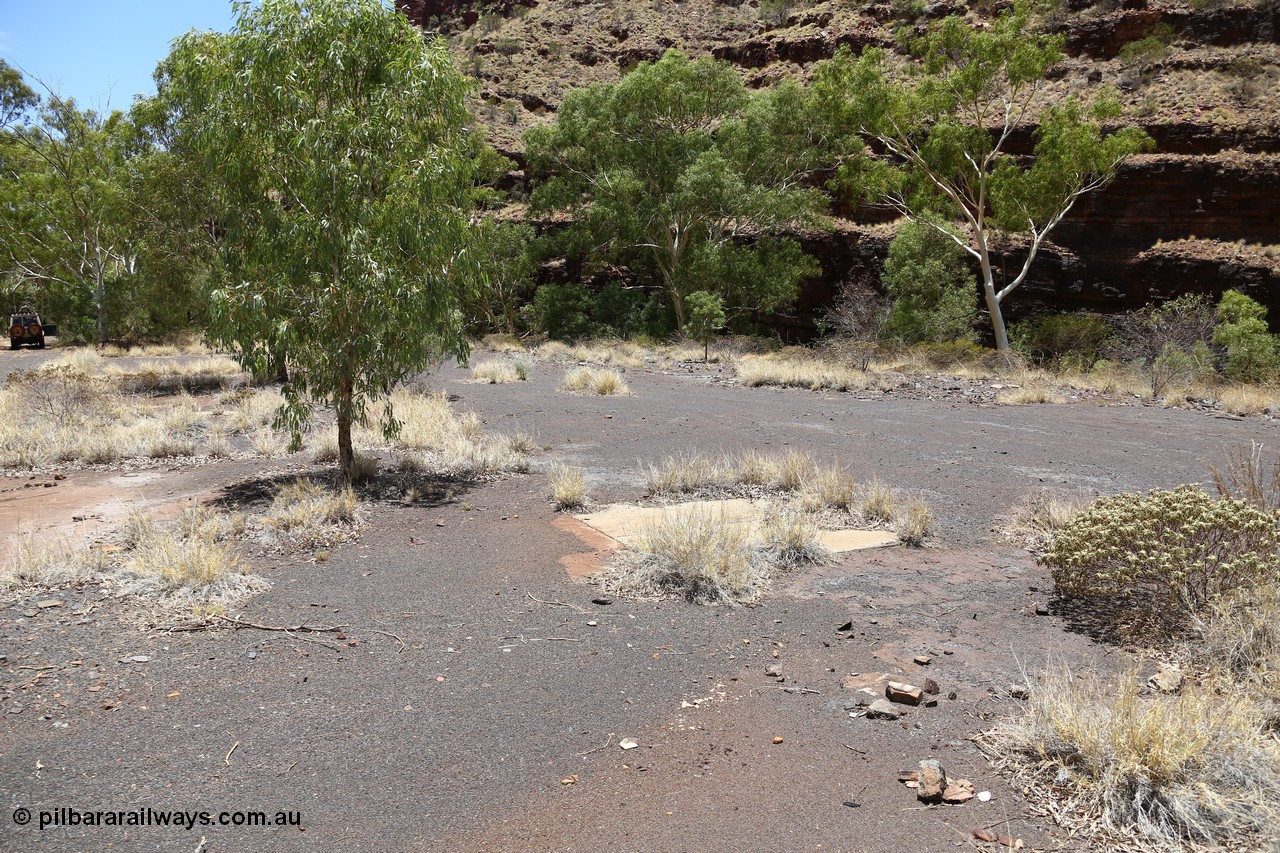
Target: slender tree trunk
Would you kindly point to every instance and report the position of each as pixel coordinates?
(346, 454)
(993, 302)
(677, 302)
(100, 296)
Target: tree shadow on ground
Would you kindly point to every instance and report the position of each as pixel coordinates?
(388, 485)
(1120, 620)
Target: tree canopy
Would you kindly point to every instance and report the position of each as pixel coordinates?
(681, 172)
(332, 135)
(945, 132)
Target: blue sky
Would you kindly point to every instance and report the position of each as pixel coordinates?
(101, 52)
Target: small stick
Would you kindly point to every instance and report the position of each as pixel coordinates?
(287, 769)
(598, 748)
(855, 749)
(554, 603)
(403, 644)
(227, 760)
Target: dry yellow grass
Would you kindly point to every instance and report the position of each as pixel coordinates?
(876, 500)
(912, 522)
(789, 538)
(499, 372)
(1031, 394)
(697, 555)
(1190, 771)
(1037, 519)
(46, 560)
(1248, 399)
(602, 383)
(790, 372)
(568, 486)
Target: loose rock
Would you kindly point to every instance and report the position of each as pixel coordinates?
(958, 791)
(1019, 691)
(1042, 610)
(1168, 678)
(933, 781)
(931, 687)
(773, 670)
(882, 709)
(906, 694)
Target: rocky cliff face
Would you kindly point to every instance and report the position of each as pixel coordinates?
(1200, 215)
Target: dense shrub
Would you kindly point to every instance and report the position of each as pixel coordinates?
(562, 311)
(618, 311)
(1168, 342)
(1252, 354)
(1166, 549)
(1064, 340)
(933, 292)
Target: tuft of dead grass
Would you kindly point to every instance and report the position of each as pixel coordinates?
(1035, 521)
(789, 538)
(876, 500)
(1029, 395)
(590, 380)
(782, 371)
(1247, 476)
(1190, 771)
(46, 560)
(913, 522)
(500, 372)
(568, 486)
(696, 555)
(687, 473)
(306, 515)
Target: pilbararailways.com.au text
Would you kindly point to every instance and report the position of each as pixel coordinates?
(64, 817)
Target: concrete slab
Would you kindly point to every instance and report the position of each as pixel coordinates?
(625, 523)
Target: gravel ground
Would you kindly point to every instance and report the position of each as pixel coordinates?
(470, 704)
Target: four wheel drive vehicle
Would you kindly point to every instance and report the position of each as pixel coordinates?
(25, 328)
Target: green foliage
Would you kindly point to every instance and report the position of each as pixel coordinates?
(562, 312)
(1064, 340)
(1252, 351)
(1166, 550)
(774, 13)
(507, 256)
(1167, 341)
(926, 276)
(945, 131)
(1143, 52)
(670, 168)
(706, 317)
(334, 136)
(66, 229)
(617, 311)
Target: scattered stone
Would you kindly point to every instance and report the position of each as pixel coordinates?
(139, 658)
(31, 614)
(253, 653)
(984, 796)
(1168, 678)
(923, 660)
(848, 626)
(47, 603)
(1019, 691)
(931, 687)
(951, 695)
(933, 781)
(882, 709)
(777, 740)
(627, 743)
(773, 670)
(602, 600)
(958, 791)
(591, 623)
(908, 776)
(1042, 610)
(896, 691)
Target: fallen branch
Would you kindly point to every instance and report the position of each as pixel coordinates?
(598, 748)
(288, 629)
(403, 644)
(234, 747)
(554, 603)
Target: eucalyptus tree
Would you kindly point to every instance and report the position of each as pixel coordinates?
(332, 137)
(943, 130)
(681, 172)
(64, 209)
